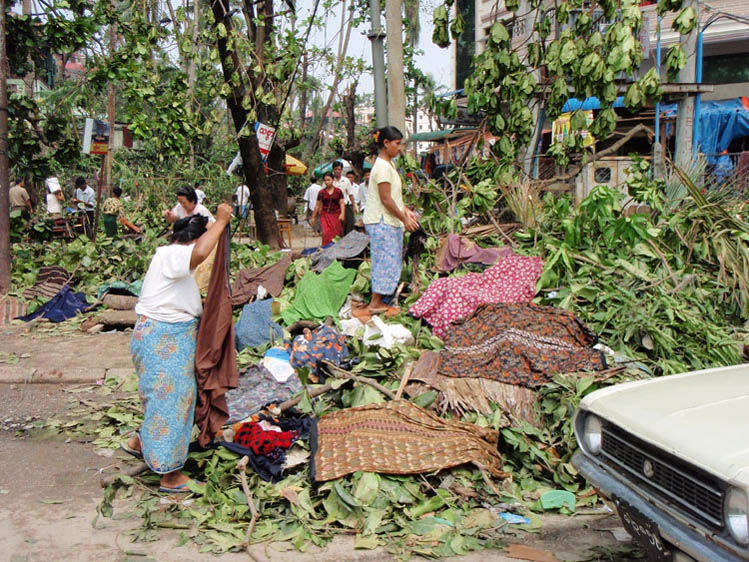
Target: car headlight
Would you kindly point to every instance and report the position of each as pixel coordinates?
(737, 515)
(592, 434)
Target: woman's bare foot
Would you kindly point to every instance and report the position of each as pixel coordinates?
(174, 479)
(134, 443)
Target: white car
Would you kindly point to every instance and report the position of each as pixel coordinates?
(672, 454)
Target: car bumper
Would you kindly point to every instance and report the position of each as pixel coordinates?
(686, 539)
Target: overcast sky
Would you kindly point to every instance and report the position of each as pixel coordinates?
(434, 61)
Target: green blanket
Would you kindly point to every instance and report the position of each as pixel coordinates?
(320, 296)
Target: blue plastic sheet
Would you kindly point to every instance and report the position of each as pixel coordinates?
(720, 122)
(255, 325)
(65, 304)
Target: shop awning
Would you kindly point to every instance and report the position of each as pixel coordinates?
(294, 167)
(573, 104)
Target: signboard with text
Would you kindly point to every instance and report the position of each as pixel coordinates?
(96, 137)
(265, 135)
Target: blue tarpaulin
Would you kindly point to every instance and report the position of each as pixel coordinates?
(720, 122)
(573, 104)
(62, 306)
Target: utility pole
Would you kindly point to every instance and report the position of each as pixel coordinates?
(685, 109)
(396, 85)
(110, 149)
(4, 171)
(28, 79)
(376, 35)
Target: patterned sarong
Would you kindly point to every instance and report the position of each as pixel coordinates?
(164, 359)
(398, 438)
(386, 246)
(511, 279)
(521, 344)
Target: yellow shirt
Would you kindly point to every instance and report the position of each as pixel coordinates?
(383, 172)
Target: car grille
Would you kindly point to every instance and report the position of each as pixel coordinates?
(694, 490)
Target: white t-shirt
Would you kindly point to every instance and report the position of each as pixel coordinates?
(201, 195)
(53, 204)
(243, 195)
(360, 196)
(169, 292)
(87, 195)
(345, 186)
(180, 213)
(310, 196)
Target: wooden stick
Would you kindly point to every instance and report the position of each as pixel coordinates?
(404, 380)
(500, 231)
(242, 468)
(486, 478)
(340, 373)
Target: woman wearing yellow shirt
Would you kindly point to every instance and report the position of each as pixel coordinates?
(385, 217)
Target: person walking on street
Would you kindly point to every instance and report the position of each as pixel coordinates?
(310, 200)
(331, 209)
(385, 218)
(242, 195)
(343, 183)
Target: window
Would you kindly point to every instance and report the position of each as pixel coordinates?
(602, 175)
(725, 69)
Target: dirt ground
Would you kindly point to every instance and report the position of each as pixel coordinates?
(49, 485)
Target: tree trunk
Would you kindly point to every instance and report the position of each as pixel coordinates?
(396, 85)
(254, 170)
(303, 94)
(4, 172)
(349, 103)
(278, 181)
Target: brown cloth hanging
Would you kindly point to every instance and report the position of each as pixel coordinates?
(271, 277)
(215, 357)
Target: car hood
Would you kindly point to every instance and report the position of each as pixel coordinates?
(701, 417)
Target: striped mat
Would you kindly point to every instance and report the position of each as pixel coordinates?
(49, 281)
(10, 308)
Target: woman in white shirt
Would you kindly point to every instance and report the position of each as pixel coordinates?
(55, 197)
(187, 204)
(385, 217)
(163, 348)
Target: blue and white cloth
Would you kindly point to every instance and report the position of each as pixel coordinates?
(164, 359)
(386, 246)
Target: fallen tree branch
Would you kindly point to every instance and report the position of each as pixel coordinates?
(640, 128)
(343, 374)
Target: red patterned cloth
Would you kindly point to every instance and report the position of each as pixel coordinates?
(261, 441)
(511, 280)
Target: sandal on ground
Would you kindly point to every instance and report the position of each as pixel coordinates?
(180, 488)
(129, 450)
